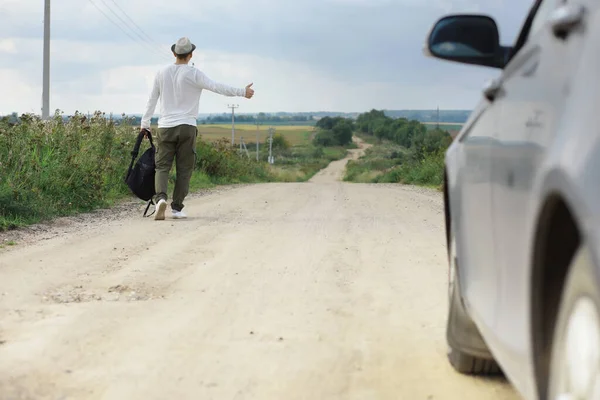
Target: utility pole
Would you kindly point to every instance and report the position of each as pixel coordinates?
(257, 124)
(271, 161)
(233, 107)
(243, 146)
(438, 118)
(46, 77)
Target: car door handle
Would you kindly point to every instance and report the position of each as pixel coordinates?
(565, 19)
(492, 88)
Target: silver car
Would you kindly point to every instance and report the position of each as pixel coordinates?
(522, 198)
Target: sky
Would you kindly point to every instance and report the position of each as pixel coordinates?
(316, 55)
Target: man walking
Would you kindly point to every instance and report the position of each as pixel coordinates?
(179, 87)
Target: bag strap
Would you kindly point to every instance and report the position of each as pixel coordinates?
(136, 148)
(148, 207)
(138, 144)
(150, 138)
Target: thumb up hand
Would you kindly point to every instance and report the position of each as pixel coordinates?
(249, 91)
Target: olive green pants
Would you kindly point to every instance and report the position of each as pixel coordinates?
(179, 144)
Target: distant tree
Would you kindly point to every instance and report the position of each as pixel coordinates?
(342, 131)
(325, 123)
(336, 131)
(366, 122)
(325, 138)
(411, 134)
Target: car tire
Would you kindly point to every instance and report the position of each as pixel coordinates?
(467, 352)
(575, 357)
(469, 365)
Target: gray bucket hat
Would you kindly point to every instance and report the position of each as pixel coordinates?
(183, 46)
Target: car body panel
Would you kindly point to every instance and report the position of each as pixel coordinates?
(542, 142)
(532, 101)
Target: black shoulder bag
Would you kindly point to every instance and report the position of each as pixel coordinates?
(140, 177)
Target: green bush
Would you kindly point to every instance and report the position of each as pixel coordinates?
(223, 163)
(280, 142)
(429, 171)
(325, 138)
(334, 132)
(56, 168)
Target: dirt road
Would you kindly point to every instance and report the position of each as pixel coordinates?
(321, 290)
(335, 171)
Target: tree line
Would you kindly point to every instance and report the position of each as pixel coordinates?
(411, 134)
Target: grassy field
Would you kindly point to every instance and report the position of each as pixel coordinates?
(296, 135)
(446, 126)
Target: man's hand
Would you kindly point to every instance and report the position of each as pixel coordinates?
(145, 132)
(249, 91)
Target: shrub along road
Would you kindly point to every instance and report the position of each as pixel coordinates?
(317, 290)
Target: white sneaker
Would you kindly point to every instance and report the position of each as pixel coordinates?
(178, 214)
(161, 207)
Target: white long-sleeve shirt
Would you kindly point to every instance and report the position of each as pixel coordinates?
(179, 87)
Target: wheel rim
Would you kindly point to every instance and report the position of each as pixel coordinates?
(577, 374)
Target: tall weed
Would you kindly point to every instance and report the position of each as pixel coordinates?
(55, 168)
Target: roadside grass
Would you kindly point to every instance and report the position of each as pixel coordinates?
(377, 161)
(55, 168)
(426, 172)
(370, 139)
(52, 169)
(8, 243)
(387, 162)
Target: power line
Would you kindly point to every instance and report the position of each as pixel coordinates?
(122, 30)
(134, 24)
(107, 17)
(125, 22)
(149, 45)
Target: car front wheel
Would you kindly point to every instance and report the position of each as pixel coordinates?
(575, 362)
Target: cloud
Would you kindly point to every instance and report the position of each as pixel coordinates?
(8, 46)
(317, 54)
(18, 95)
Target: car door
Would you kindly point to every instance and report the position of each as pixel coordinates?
(530, 98)
(472, 216)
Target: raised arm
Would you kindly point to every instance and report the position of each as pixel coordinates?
(151, 105)
(204, 82)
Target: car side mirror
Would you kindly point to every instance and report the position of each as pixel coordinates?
(467, 39)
